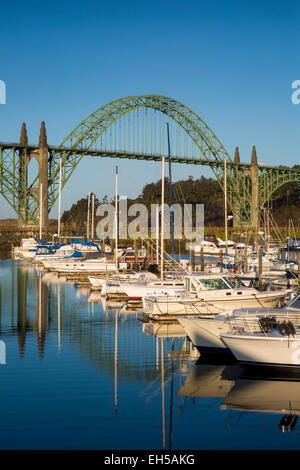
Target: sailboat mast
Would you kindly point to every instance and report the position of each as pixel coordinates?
(41, 210)
(88, 218)
(116, 216)
(162, 218)
(171, 195)
(93, 215)
(59, 201)
(157, 234)
(225, 207)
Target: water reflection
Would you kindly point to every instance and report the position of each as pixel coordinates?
(30, 312)
(45, 307)
(243, 389)
(121, 382)
(268, 394)
(208, 379)
(38, 302)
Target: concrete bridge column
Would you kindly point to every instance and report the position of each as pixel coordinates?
(42, 191)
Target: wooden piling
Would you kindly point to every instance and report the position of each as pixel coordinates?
(151, 252)
(202, 259)
(246, 259)
(135, 254)
(193, 260)
(221, 261)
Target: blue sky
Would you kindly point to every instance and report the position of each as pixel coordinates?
(232, 62)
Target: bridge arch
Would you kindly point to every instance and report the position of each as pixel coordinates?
(86, 134)
(89, 130)
(83, 139)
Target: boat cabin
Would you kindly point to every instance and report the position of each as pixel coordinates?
(196, 283)
(45, 250)
(129, 254)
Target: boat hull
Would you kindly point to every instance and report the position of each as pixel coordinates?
(205, 334)
(265, 351)
(138, 293)
(157, 306)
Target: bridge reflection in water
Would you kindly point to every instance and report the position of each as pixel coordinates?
(115, 371)
(43, 310)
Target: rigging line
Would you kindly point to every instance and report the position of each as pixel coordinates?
(153, 245)
(183, 198)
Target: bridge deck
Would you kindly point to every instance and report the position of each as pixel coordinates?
(139, 156)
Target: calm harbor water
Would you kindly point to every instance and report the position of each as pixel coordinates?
(80, 374)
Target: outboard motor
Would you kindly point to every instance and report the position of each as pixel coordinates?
(286, 328)
(267, 324)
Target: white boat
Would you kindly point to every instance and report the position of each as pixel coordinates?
(128, 254)
(27, 249)
(98, 282)
(209, 248)
(215, 248)
(85, 247)
(168, 287)
(114, 285)
(53, 263)
(242, 247)
(205, 332)
(271, 343)
(230, 246)
(210, 294)
(101, 265)
(253, 262)
(48, 252)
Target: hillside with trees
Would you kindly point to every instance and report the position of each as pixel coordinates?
(285, 203)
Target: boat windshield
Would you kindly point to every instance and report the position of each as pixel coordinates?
(43, 250)
(216, 283)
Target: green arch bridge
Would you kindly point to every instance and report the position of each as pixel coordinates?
(134, 128)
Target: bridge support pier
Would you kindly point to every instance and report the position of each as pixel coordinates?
(42, 191)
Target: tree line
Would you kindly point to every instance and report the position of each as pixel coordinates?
(284, 203)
